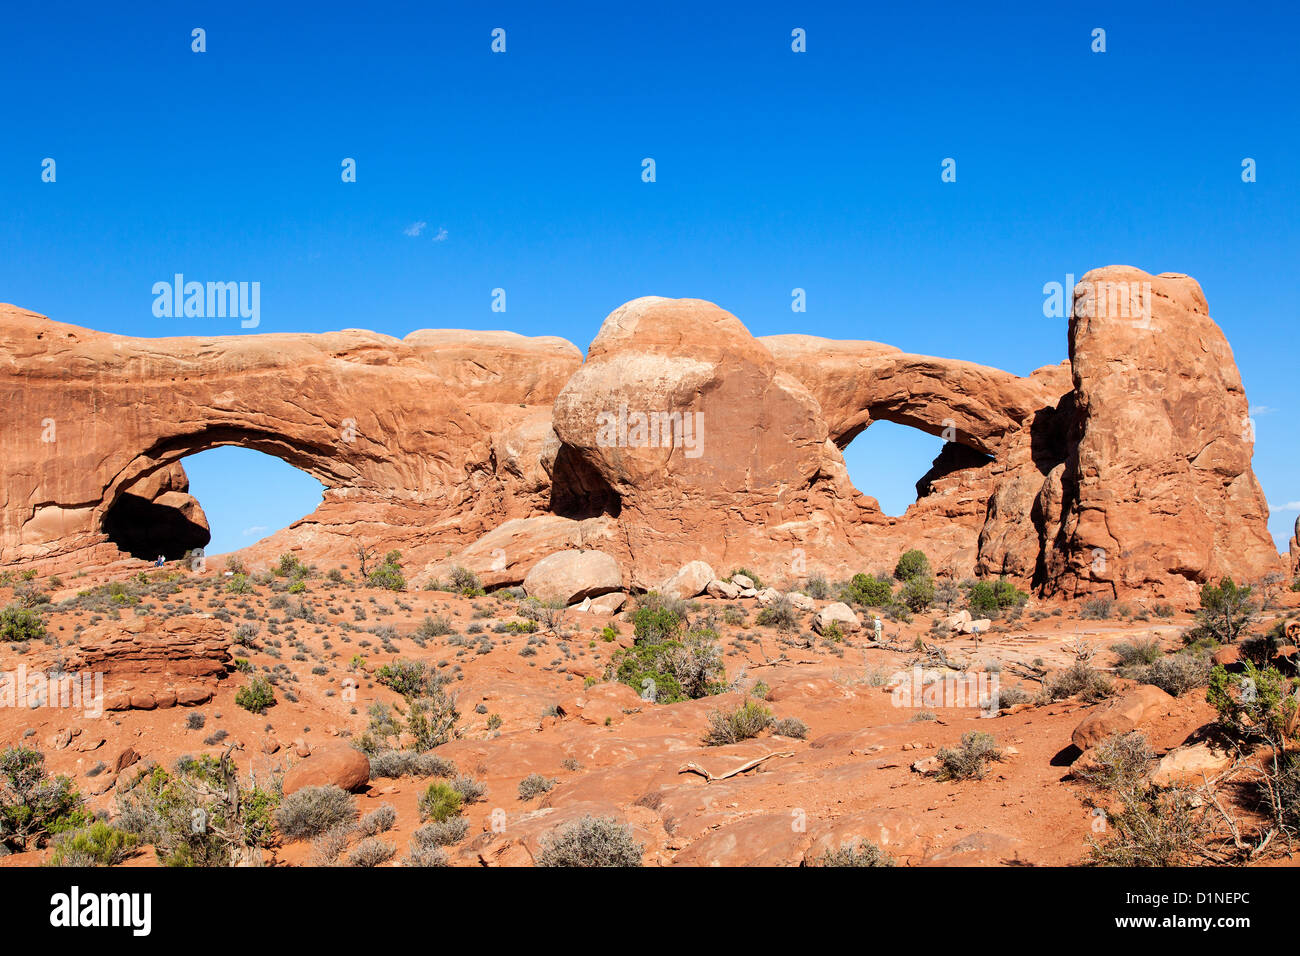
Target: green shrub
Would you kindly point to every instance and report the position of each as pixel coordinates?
(591, 841)
(387, 576)
(990, 599)
(256, 695)
(20, 624)
(656, 620)
(970, 760)
(780, 614)
(239, 584)
(728, 727)
(912, 564)
(1227, 610)
(1253, 703)
(33, 806)
(95, 845)
(869, 591)
(465, 582)
(291, 567)
(917, 593)
(311, 811)
(439, 802)
(673, 670)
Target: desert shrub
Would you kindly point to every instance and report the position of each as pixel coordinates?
(311, 811)
(1010, 696)
(161, 808)
(1226, 611)
(1177, 674)
(1081, 680)
(20, 624)
(329, 846)
(534, 785)
(1152, 827)
(862, 853)
(591, 841)
(434, 625)
(780, 614)
(917, 593)
(408, 763)
(439, 802)
(816, 587)
(869, 591)
(1253, 704)
(408, 678)
(993, 599)
(389, 574)
(470, 790)
(95, 845)
(379, 820)
(790, 727)
(657, 619)
(290, 567)
(465, 582)
(912, 564)
(1097, 609)
(431, 720)
(1143, 650)
(34, 806)
(970, 760)
(425, 856)
(371, 851)
(442, 833)
(673, 670)
(239, 584)
(256, 695)
(728, 727)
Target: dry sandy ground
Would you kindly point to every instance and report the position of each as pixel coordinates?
(612, 753)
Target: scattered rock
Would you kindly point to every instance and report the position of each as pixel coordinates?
(839, 614)
(566, 577)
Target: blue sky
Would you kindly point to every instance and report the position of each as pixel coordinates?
(775, 170)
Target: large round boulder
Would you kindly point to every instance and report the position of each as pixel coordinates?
(566, 577)
(336, 764)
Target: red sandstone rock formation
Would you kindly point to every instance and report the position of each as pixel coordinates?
(680, 438)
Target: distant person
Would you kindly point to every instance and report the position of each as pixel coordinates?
(160, 562)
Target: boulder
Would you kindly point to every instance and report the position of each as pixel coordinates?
(742, 581)
(333, 763)
(767, 595)
(569, 576)
(688, 581)
(838, 614)
(1120, 715)
(801, 601)
(723, 589)
(1190, 766)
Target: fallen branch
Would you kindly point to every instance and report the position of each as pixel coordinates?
(693, 767)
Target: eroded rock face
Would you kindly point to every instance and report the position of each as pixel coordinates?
(681, 438)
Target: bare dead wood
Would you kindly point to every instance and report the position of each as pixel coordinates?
(693, 767)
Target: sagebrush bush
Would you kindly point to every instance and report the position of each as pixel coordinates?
(728, 727)
(379, 820)
(1097, 609)
(970, 760)
(34, 806)
(790, 727)
(863, 853)
(591, 841)
(371, 851)
(311, 811)
(780, 614)
(441, 833)
(1139, 651)
(1177, 674)
(534, 785)
(408, 763)
(1082, 680)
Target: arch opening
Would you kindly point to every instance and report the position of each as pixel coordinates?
(884, 458)
(220, 498)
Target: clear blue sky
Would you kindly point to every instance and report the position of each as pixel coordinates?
(774, 170)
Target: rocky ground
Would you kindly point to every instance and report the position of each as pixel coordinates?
(176, 645)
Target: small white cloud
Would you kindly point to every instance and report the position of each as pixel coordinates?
(1262, 410)
(415, 228)
(255, 529)
(440, 235)
(1289, 506)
